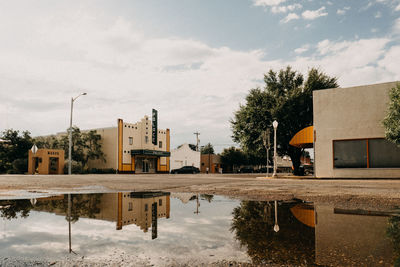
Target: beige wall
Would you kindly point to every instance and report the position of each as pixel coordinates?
(349, 113)
(109, 146)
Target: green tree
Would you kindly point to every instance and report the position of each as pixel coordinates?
(92, 144)
(233, 158)
(286, 98)
(207, 149)
(391, 122)
(14, 151)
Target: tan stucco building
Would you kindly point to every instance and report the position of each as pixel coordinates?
(46, 161)
(349, 135)
(129, 148)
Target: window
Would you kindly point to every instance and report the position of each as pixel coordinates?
(130, 208)
(366, 153)
(146, 139)
(160, 202)
(131, 140)
(160, 144)
(146, 207)
(350, 154)
(383, 154)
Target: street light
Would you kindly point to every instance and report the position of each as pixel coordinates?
(275, 125)
(70, 133)
(276, 226)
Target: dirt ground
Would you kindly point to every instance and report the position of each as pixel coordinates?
(371, 192)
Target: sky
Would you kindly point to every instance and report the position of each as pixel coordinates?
(194, 61)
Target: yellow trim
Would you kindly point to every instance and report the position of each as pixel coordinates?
(168, 207)
(120, 144)
(119, 215)
(304, 213)
(132, 163)
(303, 138)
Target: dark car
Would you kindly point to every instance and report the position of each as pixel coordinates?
(186, 169)
(246, 170)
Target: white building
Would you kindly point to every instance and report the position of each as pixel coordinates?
(184, 156)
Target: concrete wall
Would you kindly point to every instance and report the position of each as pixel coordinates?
(109, 140)
(184, 156)
(349, 113)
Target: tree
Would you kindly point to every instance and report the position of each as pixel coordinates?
(207, 149)
(391, 122)
(233, 158)
(14, 151)
(85, 146)
(286, 98)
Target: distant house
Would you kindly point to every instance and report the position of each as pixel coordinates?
(185, 155)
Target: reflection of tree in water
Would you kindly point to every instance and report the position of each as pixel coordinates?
(393, 232)
(11, 208)
(207, 197)
(83, 205)
(253, 224)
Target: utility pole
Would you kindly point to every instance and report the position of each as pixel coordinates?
(197, 140)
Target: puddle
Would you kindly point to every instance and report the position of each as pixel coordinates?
(169, 229)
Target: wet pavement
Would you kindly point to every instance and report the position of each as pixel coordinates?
(189, 229)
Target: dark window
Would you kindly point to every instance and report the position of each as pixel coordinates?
(146, 139)
(350, 154)
(130, 140)
(160, 202)
(146, 207)
(130, 206)
(383, 154)
(160, 144)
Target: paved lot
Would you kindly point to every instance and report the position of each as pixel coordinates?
(370, 192)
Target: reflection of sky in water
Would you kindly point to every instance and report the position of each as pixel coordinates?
(203, 237)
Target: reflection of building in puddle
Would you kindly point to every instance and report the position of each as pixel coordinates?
(134, 208)
(316, 234)
(352, 238)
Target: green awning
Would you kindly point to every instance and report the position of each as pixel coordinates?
(146, 152)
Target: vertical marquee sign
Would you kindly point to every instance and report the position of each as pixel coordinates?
(154, 122)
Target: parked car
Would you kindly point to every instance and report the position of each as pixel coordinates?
(186, 169)
(264, 170)
(246, 170)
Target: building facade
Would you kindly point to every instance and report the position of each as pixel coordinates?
(184, 156)
(349, 135)
(129, 148)
(210, 163)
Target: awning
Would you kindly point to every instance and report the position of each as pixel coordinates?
(146, 152)
(303, 138)
(305, 214)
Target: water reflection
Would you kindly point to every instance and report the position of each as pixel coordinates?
(277, 232)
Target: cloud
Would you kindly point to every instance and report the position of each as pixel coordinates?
(378, 15)
(313, 14)
(285, 9)
(396, 26)
(342, 11)
(268, 2)
(289, 17)
(302, 49)
(397, 8)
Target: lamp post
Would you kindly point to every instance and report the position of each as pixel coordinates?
(275, 125)
(276, 226)
(70, 133)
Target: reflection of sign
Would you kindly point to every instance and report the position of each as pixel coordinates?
(154, 220)
(34, 149)
(154, 122)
